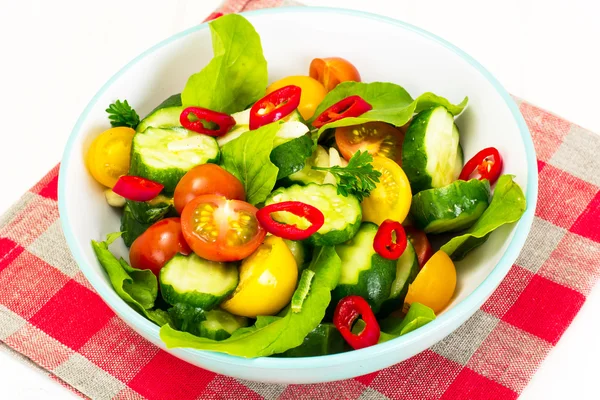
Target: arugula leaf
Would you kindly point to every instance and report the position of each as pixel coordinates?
(237, 74)
(391, 103)
(357, 178)
(507, 206)
(273, 335)
(137, 287)
(121, 114)
(248, 159)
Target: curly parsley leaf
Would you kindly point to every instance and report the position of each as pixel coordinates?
(120, 113)
(357, 178)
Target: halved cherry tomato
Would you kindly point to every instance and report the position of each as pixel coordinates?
(435, 284)
(108, 156)
(218, 229)
(267, 281)
(313, 92)
(391, 197)
(419, 240)
(378, 138)
(207, 179)
(332, 71)
(157, 245)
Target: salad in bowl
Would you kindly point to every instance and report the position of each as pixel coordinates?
(292, 219)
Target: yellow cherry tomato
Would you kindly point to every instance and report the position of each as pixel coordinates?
(108, 156)
(313, 92)
(392, 197)
(435, 284)
(267, 281)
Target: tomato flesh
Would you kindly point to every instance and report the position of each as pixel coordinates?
(222, 230)
(332, 71)
(207, 179)
(108, 156)
(378, 138)
(157, 245)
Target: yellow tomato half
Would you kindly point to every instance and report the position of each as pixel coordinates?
(108, 156)
(267, 281)
(392, 197)
(313, 92)
(435, 283)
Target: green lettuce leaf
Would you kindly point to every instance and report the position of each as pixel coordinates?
(393, 327)
(507, 206)
(390, 102)
(137, 287)
(273, 335)
(236, 76)
(248, 159)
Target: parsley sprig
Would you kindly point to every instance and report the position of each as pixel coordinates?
(357, 178)
(120, 113)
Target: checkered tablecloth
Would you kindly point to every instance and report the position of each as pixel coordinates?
(51, 316)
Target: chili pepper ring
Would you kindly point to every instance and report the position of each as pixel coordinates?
(384, 243)
(291, 232)
(347, 312)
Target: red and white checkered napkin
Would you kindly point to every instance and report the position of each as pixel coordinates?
(50, 314)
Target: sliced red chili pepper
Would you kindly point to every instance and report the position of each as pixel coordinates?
(291, 232)
(353, 106)
(347, 312)
(224, 121)
(275, 106)
(384, 243)
(213, 16)
(488, 164)
(136, 188)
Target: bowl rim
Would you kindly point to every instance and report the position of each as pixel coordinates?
(467, 306)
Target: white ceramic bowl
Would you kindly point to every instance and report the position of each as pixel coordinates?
(382, 49)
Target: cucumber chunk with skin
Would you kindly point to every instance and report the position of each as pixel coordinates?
(197, 282)
(364, 272)
(342, 213)
(290, 157)
(165, 115)
(407, 268)
(165, 155)
(219, 324)
(431, 152)
(323, 340)
(319, 158)
(451, 208)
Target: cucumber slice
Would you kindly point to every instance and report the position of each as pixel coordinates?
(290, 157)
(407, 268)
(323, 340)
(197, 282)
(342, 214)
(131, 227)
(165, 155)
(451, 208)
(219, 324)
(431, 153)
(302, 290)
(319, 158)
(148, 212)
(165, 115)
(364, 272)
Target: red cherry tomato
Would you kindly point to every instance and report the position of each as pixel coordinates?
(332, 71)
(153, 248)
(378, 138)
(207, 179)
(218, 229)
(419, 240)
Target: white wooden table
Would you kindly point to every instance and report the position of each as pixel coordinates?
(56, 55)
